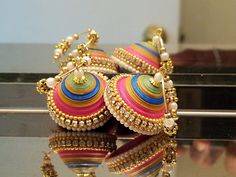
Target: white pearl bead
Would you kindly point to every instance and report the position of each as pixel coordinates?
(70, 65)
(169, 84)
(51, 82)
(88, 59)
(169, 122)
(70, 39)
(74, 53)
(158, 77)
(58, 52)
(165, 56)
(173, 105)
(156, 39)
(79, 73)
(64, 69)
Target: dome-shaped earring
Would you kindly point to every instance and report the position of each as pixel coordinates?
(139, 57)
(74, 96)
(144, 103)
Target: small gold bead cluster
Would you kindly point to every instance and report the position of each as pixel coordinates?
(42, 87)
(48, 168)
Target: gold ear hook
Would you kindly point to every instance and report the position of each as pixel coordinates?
(157, 41)
(158, 80)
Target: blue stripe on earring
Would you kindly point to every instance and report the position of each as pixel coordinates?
(144, 97)
(74, 165)
(149, 50)
(150, 170)
(96, 49)
(79, 97)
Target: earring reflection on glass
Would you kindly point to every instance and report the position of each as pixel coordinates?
(139, 57)
(48, 168)
(143, 103)
(82, 152)
(144, 156)
(74, 96)
(100, 61)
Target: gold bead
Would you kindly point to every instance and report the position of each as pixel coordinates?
(162, 49)
(76, 36)
(93, 36)
(58, 78)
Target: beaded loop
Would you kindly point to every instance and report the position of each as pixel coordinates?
(100, 61)
(170, 126)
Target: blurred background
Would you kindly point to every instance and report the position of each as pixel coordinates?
(30, 28)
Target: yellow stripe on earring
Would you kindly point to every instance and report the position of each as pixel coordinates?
(147, 92)
(73, 90)
(84, 103)
(144, 53)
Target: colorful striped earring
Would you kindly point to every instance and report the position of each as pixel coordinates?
(144, 103)
(75, 96)
(139, 57)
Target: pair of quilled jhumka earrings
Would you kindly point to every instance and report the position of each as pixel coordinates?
(82, 98)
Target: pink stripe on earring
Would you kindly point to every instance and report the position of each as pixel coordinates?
(136, 107)
(84, 111)
(132, 51)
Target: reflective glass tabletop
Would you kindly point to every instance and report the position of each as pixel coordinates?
(195, 157)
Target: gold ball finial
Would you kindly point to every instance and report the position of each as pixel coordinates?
(93, 36)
